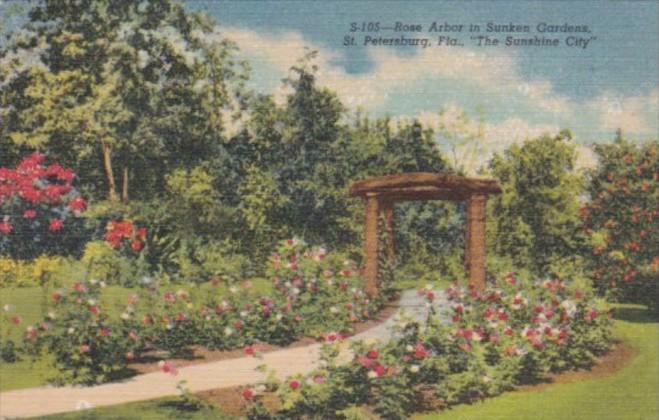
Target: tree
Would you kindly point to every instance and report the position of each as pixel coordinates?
(128, 90)
(622, 220)
(536, 217)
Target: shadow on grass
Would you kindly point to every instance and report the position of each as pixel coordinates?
(635, 314)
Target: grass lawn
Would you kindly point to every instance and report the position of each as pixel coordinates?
(630, 393)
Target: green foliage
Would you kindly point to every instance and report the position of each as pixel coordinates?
(536, 217)
(622, 221)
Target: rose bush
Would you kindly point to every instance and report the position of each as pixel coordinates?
(495, 340)
(40, 210)
(87, 345)
(311, 290)
(622, 221)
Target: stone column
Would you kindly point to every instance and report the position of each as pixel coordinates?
(371, 244)
(475, 247)
(388, 212)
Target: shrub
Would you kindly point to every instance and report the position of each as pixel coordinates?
(495, 340)
(40, 211)
(87, 346)
(36, 272)
(622, 221)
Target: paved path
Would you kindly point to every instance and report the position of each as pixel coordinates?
(221, 374)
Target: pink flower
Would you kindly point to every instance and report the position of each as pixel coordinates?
(5, 227)
(168, 367)
(250, 350)
(94, 309)
(420, 352)
(55, 225)
(331, 337)
(294, 384)
(16, 320)
(103, 331)
(30, 332)
(318, 379)
(169, 297)
(85, 348)
(372, 354)
(30, 214)
(79, 287)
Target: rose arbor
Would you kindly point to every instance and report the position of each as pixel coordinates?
(383, 192)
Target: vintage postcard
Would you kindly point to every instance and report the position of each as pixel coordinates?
(217, 209)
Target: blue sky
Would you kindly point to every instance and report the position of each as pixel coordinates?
(612, 83)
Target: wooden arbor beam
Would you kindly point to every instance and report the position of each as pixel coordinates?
(475, 252)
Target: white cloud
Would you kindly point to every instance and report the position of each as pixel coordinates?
(632, 114)
(496, 74)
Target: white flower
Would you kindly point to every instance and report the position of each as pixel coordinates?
(487, 379)
(414, 368)
(279, 317)
(372, 374)
(125, 316)
(260, 388)
(228, 331)
(91, 302)
(52, 315)
(71, 330)
(296, 291)
(288, 284)
(409, 348)
(233, 289)
(8, 307)
(243, 314)
(428, 286)
(334, 309)
(83, 405)
(93, 281)
(102, 284)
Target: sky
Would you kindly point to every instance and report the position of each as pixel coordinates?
(518, 91)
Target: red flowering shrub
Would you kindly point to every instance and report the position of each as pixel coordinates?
(124, 235)
(622, 220)
(39, 209)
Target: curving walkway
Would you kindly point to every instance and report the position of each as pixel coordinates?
(221, 374)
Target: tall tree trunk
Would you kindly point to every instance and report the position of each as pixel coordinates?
(124, 187)
(109, 174)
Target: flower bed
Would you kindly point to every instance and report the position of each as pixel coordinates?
(507, 336)
(313, 293)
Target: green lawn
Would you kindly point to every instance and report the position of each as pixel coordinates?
(631, 393)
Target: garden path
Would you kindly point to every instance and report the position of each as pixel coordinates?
(220, 374)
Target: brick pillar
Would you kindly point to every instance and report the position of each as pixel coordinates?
(467, 237)
(371, 244)
(388, 211)
(475, 247)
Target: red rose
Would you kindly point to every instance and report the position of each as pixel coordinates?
(78, 204)
(294, 385)
(380, 370)
(5, 227)
(248, 394)
(30, 214)
(372, 354)
(55, 225)
(136, 245)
